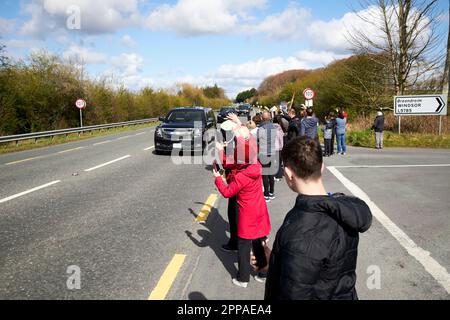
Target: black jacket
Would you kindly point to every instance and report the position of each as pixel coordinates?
(315, 251)
(378, 124)
(294, 128)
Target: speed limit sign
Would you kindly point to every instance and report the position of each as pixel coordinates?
(80, 104)
(309, 94)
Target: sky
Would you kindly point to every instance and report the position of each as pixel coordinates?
(232, 43)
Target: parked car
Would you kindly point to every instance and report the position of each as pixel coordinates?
(185, 128)
(223, 114)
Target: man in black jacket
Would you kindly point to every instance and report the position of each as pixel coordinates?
(294, 125)
(378, 126)
(315, 251)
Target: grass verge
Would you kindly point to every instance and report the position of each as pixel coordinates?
(45, 142)
(366, 139)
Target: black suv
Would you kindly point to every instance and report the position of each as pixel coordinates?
(185, 128)
(223, 114)
(244, 110)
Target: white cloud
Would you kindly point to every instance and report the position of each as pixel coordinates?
(82, 55)
(97, 17)
(128, 41)
(128, 64)
(289, 24)
(319, 58)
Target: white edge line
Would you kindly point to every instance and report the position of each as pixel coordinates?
(29, 191)
(437, 271)
(140, 134)
(149, 148)
(394, 166)
(107, 163)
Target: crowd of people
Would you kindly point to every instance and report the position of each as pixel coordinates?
(315, 250)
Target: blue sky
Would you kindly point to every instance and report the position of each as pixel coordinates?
(233, 43)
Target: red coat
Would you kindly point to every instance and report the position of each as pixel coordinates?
(253, 220)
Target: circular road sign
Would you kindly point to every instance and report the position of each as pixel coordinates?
(309, 94)
(80, 104)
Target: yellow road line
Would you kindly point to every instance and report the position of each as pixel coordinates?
(165, 282)
(20, 161)
(206, 210)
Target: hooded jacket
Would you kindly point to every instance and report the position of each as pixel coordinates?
(253, 221)
(309, 127)
(315, 251)
(378, 124)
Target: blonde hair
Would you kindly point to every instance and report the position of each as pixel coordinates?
(251, 125)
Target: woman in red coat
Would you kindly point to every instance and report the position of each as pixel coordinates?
(253, 221)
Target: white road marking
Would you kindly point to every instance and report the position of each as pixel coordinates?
(107, 163)
(395, 166)
(99, 143)
(125, 137)
(65, 151)
(437, 271)
(29, 191)
(21, 161)
(149, 148)
(140, 134)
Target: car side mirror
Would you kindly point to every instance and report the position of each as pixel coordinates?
(162, 119)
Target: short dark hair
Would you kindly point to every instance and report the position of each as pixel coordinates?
(304, 156)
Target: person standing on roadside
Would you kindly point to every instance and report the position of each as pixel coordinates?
(309, 125)
(267, 134)
(327, 136)
(279, 143)
(314, 256)
(294, 125)
(378, 127)
(332, 118)
(253, 222)
(341, 129)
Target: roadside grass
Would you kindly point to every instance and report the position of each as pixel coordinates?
(45, 142)
(366, 138)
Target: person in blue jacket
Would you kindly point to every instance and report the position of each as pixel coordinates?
(341, 128)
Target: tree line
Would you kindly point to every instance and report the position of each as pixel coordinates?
(39, 94)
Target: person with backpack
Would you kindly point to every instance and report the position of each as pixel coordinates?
(327, 136)
(314, 256)
(267, 139)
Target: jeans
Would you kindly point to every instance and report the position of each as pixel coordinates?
(342, 148)
(379, 140)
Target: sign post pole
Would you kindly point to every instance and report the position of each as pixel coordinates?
(399, 124)
(81, 118)
(440, 125)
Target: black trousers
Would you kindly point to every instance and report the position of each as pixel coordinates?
(328, 147)
(280, 172)
(268, 180)
(244, 249)
(233, 213)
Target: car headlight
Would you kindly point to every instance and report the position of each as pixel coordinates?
(159, 132)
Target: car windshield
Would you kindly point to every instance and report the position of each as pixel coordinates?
(244, 107)
(226, 111)
(185, 116)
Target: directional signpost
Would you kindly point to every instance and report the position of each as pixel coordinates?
(81, 104)
(425, 105)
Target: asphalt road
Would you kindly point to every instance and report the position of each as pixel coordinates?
(122, 223)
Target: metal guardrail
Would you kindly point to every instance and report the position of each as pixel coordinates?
(46, 134)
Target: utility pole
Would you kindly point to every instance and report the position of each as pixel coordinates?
(445, 80)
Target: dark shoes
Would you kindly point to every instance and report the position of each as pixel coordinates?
(228, 248)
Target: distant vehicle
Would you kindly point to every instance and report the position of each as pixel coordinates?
(223, 114)
(244, 110)
(184, 127)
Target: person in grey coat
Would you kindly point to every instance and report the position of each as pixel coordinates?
(378, 126)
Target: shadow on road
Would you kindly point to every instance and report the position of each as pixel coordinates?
(198, 296)
(214, 238)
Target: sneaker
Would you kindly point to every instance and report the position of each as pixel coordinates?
(271, 196)
(267, 199)
(260, 278)
(277, 179)
(228, 248)
(236, 282)
(343, 153)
